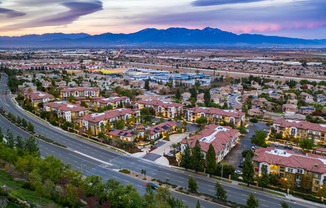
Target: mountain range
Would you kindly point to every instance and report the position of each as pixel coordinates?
(151, 37)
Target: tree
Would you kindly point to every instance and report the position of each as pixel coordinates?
(248, 171)
(274, 179)
(10, 139)
(186, 158)
(207, 98)
(220, 191)
(307, 144)
(71, 195)
(143, 171)
(24, 123)
(284, 204)
(202, 121)
(193, 94)
(1, 135)
(263, 180)
(197, 157)
(120, 124)
(178, 94)
(198, 204)
(211, 160)
(147, 84)
(31, 146)
(192, 185)
(254, 120)
(30, 127)
(259, 138)
(71, 99)
(248, 151)
(252, 202)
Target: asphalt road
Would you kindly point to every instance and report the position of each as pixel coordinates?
(232, 100)
(95, 153)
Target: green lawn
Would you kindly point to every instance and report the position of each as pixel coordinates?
(18, 191)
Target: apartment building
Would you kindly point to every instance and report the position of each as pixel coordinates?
(86, 92)
(125, 135)
(94, 122)
(223, 139)
(296, 170)
(115, 102)
(162, 108)
(69, 111)
(39, 97)
(216, 115)
(301, 129)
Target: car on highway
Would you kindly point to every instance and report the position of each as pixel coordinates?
(153, 186)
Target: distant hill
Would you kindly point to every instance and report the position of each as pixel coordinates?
(151, 37)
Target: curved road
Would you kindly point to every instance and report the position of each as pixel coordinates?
(95, 153)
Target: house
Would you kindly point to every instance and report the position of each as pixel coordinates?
(60, 84)
(39, 97)
(223, 139)
(289, 108)
(163, 108)
(296, 170)
(185, 96)
(291, 95)
(94, 122)
(217, 98)
(214, 115)
(69, 111)
(125, 135)
(254, 112)
(261, 103)
(305, 110)
(80, 92)
(307, 97)
(301, 129)
(160, 129)
(46, 84)
(115, 102)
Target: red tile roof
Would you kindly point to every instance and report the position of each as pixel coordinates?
(112, 99)
(106, 115)
(313, 163)
(216, 135)
(65, 106)
(217, 111)
(301, 125)
(80, 89)
(39, 95)
(158, 103)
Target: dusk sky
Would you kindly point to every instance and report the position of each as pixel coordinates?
(292, 18)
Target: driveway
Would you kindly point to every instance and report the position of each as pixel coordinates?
(234, 157)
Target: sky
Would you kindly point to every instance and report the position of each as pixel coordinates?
(290, 18)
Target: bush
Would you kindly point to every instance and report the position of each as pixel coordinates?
(245, 152)
(125, 171)
(253, 120)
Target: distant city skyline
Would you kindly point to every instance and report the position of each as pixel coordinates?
(290, 18)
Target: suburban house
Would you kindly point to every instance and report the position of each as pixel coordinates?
(46, 84)
(160, 129)
(296, 170)
(261, 103)
(125, 135)
(69, 111)
(223, 139)
(307, 97)
(39, 97)
(255, 112)
(301, 129)
(305, 110)
(216, 115)
(80, 92)
(95, 121)
(166, 109)
(289, 108)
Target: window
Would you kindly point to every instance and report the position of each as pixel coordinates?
(322, 134)
(300, 171)
(315, 188)
(281, 169)
(316, 175)
(282, 175)
(290, 170)
(304, 131)
(317, 182)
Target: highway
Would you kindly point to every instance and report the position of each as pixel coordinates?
(79, 149)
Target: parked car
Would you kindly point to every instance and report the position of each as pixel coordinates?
(253, 147)
(239, 172)
(152, 185)
(277, 144)
(285, 146)
(241, 164)
(290, 147)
